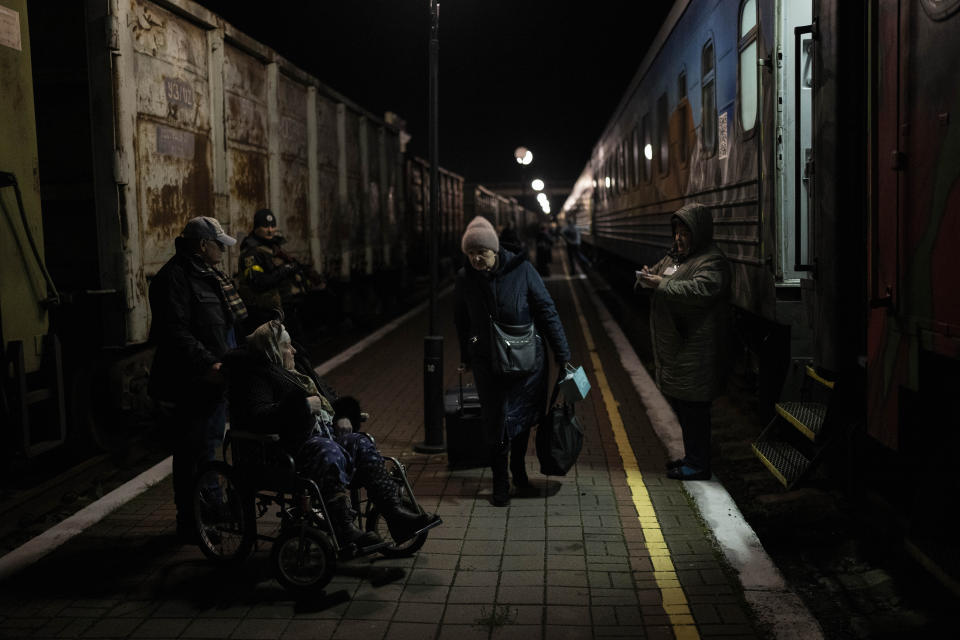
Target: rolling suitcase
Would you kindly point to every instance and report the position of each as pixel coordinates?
(465, 444)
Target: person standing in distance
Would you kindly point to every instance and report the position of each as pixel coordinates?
(503, 285)
(688, 316)
(195, 314)
(270, 279)
(571, 235)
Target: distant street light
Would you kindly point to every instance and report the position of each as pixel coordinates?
(523, 155)
(537, 185)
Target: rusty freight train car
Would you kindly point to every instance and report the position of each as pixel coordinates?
(148, 113)
(824, 135)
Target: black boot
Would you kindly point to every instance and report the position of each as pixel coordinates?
(343, 519)
(402, 522)
(501, 481)
(518, 453)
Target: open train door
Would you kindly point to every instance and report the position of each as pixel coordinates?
(795, 138)
(794, 172)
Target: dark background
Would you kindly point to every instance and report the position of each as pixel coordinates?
(545, 74)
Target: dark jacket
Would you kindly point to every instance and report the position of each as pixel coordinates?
(688, 314)
(190, 324)
(264, 398)
(268, 277)
(514, 293)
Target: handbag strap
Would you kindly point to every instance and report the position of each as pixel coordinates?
(554, 395)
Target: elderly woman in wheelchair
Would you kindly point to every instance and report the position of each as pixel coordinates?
(281, 417)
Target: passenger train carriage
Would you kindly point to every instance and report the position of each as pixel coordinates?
(825, 135)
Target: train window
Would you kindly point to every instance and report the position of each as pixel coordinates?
(748, 64)
(647, 149)
(682, 106)
(623, 166)
(663, 137)
(634, 156)
(708, 105)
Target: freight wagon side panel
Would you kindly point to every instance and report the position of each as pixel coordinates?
(172, 133)
(292, 214)
(371, 139)
(245, 115)
(22, 286)
(327, 181)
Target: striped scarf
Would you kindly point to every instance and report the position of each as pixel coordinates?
(230, 295)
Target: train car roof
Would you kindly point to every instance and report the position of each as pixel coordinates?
(673, 17)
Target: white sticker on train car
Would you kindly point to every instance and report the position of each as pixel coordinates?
(722, 148)
(10, 28)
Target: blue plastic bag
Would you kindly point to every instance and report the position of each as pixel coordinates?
(575, 386)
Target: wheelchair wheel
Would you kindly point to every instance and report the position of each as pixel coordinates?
(224, 514)
(304, 565)
(376, 522)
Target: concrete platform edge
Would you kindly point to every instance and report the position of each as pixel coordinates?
(776, 606)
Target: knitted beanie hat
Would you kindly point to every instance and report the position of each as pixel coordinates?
(480, 235)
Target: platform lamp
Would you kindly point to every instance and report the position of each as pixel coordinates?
(524, 157)
(433, 343)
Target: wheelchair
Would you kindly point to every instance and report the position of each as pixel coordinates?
(231, 497)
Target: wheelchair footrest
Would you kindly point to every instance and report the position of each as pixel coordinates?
(436, 522)
(352, 551)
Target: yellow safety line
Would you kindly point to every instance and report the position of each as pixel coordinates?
(674, 601)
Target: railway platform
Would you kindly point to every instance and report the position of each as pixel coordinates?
(613, 549)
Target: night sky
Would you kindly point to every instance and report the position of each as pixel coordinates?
(539, 73)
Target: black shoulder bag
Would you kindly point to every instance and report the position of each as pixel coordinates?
(513, 347)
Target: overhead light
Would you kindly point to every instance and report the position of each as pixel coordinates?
(537, 185)
(648, 151)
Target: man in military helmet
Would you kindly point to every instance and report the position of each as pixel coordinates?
(270, 279)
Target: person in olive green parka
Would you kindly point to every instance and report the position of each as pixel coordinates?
(688, 321)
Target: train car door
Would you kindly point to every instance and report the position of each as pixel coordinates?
(795, 138)
(914, 316)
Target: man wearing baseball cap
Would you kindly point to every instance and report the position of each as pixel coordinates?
(195, 314)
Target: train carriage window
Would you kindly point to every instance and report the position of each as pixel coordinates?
(748, 65)
(622, 162)
(663, 137)
(647, 149)
(682, 106)
(634, 156)
(708, 105)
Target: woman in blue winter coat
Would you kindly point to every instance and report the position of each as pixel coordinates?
(503, 286)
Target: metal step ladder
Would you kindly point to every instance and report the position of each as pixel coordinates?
(37, 399)
(799, 432)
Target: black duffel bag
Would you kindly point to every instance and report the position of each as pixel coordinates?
(559, 438)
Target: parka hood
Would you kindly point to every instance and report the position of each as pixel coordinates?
(508, 260)
(699, 220)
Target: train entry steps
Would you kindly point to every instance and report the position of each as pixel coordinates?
(800, 431)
